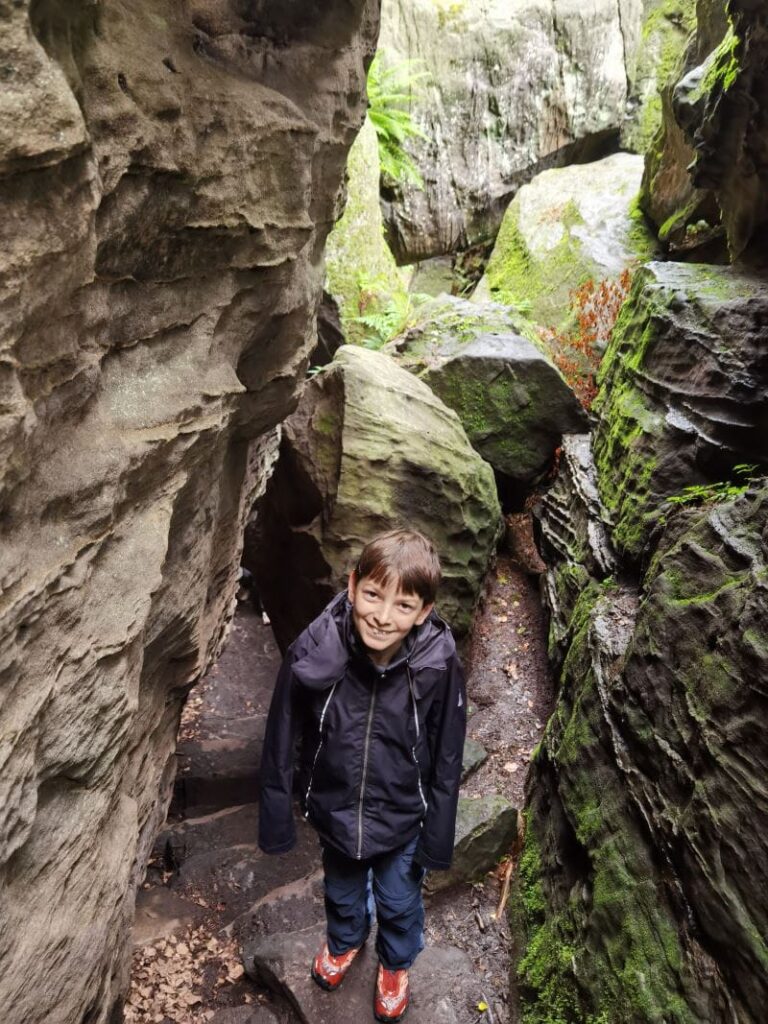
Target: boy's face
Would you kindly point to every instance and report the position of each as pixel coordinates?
(384, 615)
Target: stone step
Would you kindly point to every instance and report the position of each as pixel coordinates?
(443, 982)
(237, 876)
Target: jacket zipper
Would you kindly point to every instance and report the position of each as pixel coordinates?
(418, 733)
(366, 748)
(319, 748)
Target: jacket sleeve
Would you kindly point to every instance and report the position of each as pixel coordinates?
(277, 831)
(447, 723)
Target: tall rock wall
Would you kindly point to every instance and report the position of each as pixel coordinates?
(510, 90)
(642, 880)
(168, 175)
(708, 175)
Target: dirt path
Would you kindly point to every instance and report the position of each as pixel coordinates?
(209, 888)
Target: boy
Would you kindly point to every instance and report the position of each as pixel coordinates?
(375, 690)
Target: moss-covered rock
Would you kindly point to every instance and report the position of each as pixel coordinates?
(566, 226)
(638, 887)
(512, 402)
(370, 447)
(361, 272)
(665, 32)
(486, 828)
(707, 170)
(682, 392)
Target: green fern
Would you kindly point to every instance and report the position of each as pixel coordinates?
(396, 315)
(390, 92)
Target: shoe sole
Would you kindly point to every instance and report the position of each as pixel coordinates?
(325, 985)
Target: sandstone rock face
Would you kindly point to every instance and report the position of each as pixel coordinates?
(486, 828)
(370, 447)
(168, 177)
(684, 386)
(513, 88)
(666, 28)
(717, 115)
(568, 225)
(646, 805)
(358, 261)
(512, 402)
(648, 813)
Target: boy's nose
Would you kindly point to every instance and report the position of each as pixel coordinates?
(383, 615)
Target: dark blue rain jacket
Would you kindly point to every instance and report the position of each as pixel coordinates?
(380, 749)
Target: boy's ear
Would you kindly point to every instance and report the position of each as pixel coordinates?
(351, 584)
(424, 613)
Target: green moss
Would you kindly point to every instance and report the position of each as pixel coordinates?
(361, 272)
(514, 275)
(723, 66)
(664, 36)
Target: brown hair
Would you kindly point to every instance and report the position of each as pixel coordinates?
(406, 555)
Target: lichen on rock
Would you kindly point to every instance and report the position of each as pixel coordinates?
(681, 391)
(565, 227)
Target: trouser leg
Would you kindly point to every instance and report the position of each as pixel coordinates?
(399, 907)
(346, 901)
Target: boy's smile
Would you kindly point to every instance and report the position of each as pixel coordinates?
(383, 615)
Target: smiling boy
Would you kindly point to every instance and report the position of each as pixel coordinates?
(375, 691)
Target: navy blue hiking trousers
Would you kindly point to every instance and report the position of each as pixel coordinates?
(391, 882)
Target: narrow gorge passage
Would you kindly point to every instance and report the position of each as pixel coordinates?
(209, 890)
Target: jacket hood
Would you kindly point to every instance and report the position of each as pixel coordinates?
(327, 645)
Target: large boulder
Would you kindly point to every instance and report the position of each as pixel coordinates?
(370, 447)
(168, 175)
(511, 88)
(511, 400)
(644, 879)
(683, 392)
(567, 226)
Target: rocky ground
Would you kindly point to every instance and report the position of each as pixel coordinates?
(213, 902)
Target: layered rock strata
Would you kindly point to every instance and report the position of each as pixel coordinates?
(646, 812)
(684, 392)
(709, 171)
(168, 178)
(370, 448)
(510, 90)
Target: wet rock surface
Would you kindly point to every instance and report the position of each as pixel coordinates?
(370, 447)
(646, 805)
(167, 177)
(684, 385)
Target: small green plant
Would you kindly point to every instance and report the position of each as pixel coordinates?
(388, 321)
(390, 92)
(723, 490)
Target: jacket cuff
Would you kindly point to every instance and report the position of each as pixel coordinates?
(420, 857)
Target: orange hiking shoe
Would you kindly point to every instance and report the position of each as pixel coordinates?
(392, 996)
(329, 971)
